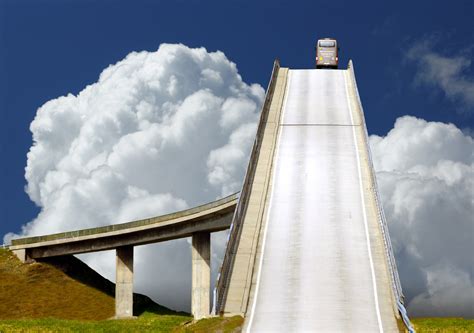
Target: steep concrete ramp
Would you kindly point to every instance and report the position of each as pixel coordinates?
(309, 249)
(317, 272)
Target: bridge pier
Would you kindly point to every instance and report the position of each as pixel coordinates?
(201, 275)
(124, 282)
(21, 254)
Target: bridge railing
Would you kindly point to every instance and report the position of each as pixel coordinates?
(396, 285)
(223, 278)
(104, 231)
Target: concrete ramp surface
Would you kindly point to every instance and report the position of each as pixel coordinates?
(317, 271)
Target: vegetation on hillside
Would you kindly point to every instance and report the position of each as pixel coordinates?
(217, 324)
(146, 322)
(61, 288)
(39, 290)
(64, 295)
(443, 325)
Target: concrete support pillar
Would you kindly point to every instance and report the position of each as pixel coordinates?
(124, 282)
(21, 254)
(201, 280)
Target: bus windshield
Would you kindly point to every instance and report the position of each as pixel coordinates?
(327, 43)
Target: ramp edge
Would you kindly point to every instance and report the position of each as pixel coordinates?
(223, 278)
(396, 285)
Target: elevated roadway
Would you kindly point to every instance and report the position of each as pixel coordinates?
(211, 217)
(197, 223)
(309, 249)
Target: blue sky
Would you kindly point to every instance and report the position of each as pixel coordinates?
(52, 48)
(411, 58)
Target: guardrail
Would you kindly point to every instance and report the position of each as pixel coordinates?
(104, 230)
(223, 278)
(396, 285)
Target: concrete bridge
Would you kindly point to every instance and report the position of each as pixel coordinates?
(309, 248)
(197, 222)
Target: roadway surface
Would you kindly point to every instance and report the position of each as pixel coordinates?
(316, 272)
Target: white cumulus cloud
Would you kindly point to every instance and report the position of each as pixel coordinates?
(158, 132)
(425, 172)
(449, 73)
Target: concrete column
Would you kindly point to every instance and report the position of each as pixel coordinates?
(201, 280)
(21, 254)
(124, 282)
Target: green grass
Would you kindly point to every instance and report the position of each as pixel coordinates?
(40, 290)
(147, 322)
(61, 288)
(443, 325)
(217, 324)
(151, 322)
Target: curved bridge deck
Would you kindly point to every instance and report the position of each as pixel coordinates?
(211, 217)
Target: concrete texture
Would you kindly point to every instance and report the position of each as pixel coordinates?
(124, 282)
(326, 256)
(225, 274)
(237, 289)
(383, 275)
(316, 258)
(212, 217)
(21, 254)
(201, 275)
(193, 213)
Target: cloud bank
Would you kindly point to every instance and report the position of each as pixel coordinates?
(425, 172)
(159, 132)
(126, 143)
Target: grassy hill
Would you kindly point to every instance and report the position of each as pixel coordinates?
(41, 290)
(63, 288)
(63, 294)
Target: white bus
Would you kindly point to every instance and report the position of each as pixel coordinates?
(327, 53)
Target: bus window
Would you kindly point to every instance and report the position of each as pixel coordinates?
(326, 43)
